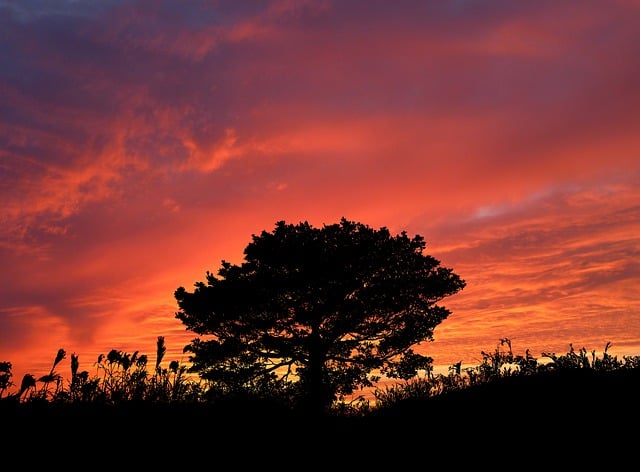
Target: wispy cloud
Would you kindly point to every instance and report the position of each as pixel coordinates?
(141, 142)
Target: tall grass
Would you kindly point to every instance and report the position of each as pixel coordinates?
(125, 377)
(501, 363)
(119, 377)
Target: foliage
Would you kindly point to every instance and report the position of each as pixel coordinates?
(317, 313)
(581, 360)
(5, 377)
(499, 364)
(122, 378)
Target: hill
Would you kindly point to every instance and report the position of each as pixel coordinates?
(573, 417)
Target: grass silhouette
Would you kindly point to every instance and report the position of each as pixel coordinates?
(124, 379)
(572, 409)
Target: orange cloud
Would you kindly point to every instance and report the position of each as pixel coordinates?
(142, 143)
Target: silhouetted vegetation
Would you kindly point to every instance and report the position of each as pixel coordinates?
(317, 313)
(124, 379)
(564, 408)
(575, 407)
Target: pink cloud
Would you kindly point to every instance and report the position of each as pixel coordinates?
(143, 143)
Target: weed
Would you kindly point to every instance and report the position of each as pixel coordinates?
(125, 377)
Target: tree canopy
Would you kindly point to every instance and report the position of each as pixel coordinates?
(321, 312)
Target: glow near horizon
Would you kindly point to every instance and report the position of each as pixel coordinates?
(143, 143)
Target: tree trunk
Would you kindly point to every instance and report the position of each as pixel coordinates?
(318, 395)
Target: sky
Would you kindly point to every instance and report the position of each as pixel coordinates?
(142, 142)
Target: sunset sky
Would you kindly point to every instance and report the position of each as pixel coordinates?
(142, 142)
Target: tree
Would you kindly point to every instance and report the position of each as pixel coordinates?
(324, 311)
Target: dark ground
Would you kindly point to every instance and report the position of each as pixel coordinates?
(577, 419)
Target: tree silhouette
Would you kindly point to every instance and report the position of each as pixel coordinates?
(321, 311)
